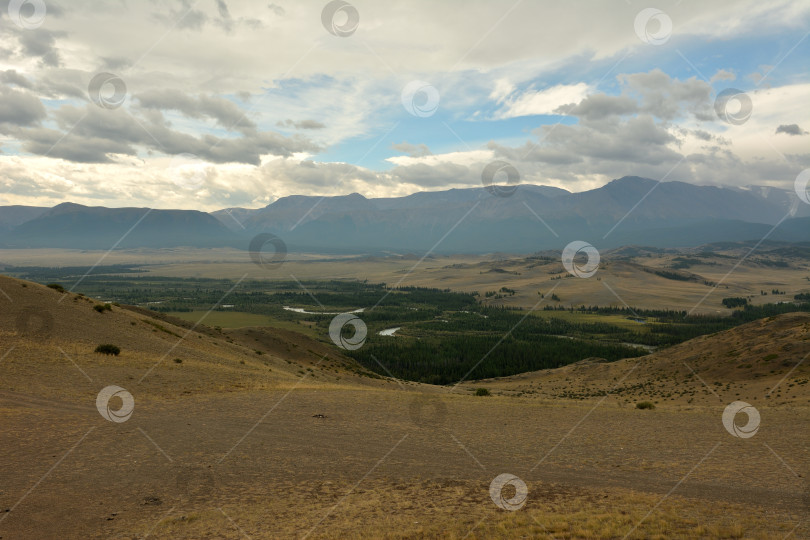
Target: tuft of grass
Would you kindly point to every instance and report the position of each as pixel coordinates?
(482, 392)
(160, 327)
(178, 360)
(645, 405)
(108, 349)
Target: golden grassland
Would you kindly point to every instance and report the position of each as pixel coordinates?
(456, 510)
(294, 440)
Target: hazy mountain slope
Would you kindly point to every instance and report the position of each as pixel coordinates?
(12, 216)
(641, 210)
(630, 210)
(76, 226)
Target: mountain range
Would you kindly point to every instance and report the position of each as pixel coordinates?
(630, 210)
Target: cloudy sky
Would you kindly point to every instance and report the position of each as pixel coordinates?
(217, 103)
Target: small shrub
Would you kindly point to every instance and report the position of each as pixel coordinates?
(108, 349)
(644, 405)
(178, 360)
(101, 308)
(482, 392)
(56, 287)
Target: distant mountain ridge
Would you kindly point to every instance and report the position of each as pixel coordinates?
(629, 210)
(626, 210)
(76, 226)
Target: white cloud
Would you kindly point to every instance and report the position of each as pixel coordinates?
(546, 101)
(723, 75)
(459, 158)
(276, 63)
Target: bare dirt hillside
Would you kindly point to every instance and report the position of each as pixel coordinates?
(206, 438)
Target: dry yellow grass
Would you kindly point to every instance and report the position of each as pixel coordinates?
(230, 443)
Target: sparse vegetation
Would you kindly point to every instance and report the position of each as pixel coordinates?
(55, 286)
(735, 302)
(108, 349)
(101, 308)
(482, 392)
(645, 405)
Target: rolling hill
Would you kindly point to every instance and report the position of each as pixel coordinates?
(220, 437)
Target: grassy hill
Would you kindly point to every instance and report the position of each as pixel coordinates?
(299, 441)
(743, 363)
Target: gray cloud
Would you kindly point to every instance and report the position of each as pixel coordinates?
(10, 76)
(19, 108)
(225, 112)
(790, 129)
(184, 17)
(40, 43)
(600, 106)
(303, 124)
(90, 134)
(225, 20)
(114, 63)
(63, 83)
(667, 98)
(413, 150)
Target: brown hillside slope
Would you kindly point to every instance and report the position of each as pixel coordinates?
(286, 447)
(48, 339)
(764, 361)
